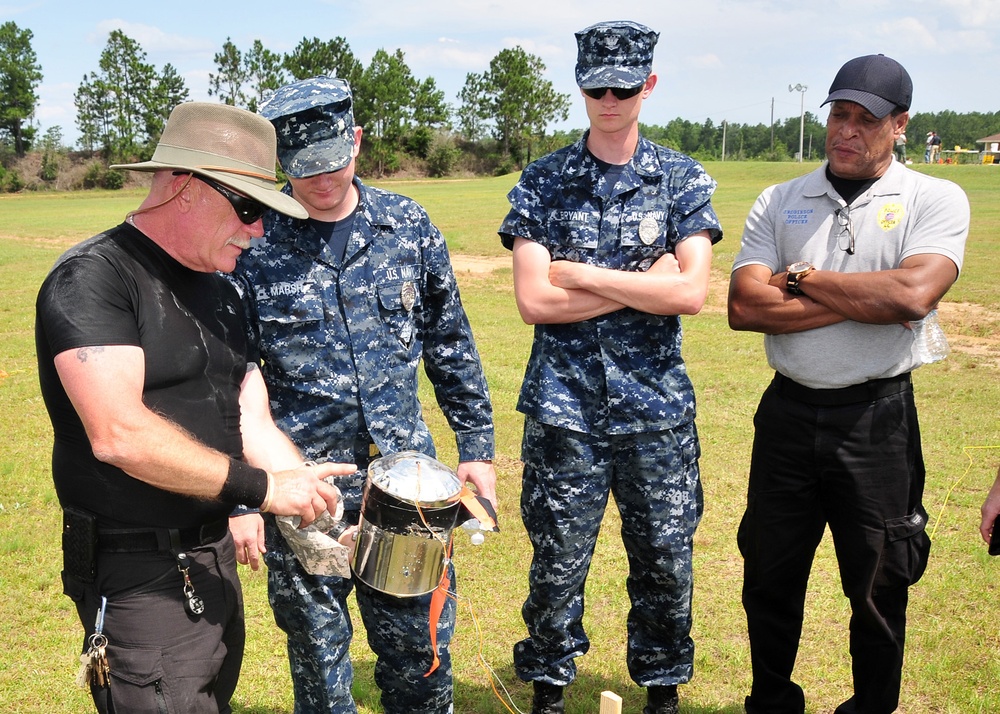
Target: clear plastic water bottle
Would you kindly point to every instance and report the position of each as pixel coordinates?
(478, 535)
(929, 339)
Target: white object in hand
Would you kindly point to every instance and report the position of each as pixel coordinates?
(929, 339)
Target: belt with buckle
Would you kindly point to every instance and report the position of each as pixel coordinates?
(365, 451)
(148, 540)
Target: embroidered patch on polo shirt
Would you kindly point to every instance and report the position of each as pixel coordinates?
(890, 216)
(797, 216)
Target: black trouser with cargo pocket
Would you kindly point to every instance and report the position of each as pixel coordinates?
(848, 458)
(163, 658)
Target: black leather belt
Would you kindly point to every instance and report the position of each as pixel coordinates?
(147, 540)
(865, 392)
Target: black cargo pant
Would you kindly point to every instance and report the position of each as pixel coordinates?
(162, 658)
(850, 458)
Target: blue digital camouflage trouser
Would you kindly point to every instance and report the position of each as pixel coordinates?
(312, 611)
(566, 482)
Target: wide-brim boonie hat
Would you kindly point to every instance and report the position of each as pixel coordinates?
(227, 144)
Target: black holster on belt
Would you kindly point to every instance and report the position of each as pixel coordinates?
(79, 545)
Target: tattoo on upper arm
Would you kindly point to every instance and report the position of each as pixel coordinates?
(84, 353)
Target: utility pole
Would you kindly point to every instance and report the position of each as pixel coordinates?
(801, 88)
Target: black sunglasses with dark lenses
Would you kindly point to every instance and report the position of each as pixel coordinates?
(248, 210)
(621, 93)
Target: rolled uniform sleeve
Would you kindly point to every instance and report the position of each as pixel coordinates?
(524, 218)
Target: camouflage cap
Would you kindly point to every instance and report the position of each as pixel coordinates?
(614, 54)
(314, 121)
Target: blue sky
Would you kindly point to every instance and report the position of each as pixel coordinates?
(716, 59)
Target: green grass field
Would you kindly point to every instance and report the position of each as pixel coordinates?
(952, 665)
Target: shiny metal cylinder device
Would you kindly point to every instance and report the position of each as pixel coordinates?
(409, 509)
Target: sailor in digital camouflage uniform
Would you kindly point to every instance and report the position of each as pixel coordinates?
(612, 240)
(349, 302)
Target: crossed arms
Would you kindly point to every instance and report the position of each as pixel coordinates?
(760, 302)
(555, 292)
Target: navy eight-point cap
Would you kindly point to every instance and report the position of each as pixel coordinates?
(614, 54)
(314, 121)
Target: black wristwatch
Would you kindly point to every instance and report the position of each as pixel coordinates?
(797, 271)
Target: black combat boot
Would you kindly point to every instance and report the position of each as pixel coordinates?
(548, 699)
(661, 700)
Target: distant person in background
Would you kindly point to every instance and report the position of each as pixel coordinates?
(832, 269)
(612, 241)
(933, 150)
(900, 148)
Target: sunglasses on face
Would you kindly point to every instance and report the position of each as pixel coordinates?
(248, 210)
(621, 93)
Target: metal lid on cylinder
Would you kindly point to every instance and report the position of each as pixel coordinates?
(416, 478)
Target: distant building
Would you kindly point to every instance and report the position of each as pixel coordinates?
(991, 149)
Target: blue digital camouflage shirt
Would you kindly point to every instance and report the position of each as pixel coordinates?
(340, 342)
(620, 373)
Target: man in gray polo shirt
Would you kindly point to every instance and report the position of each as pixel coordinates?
(838, 268)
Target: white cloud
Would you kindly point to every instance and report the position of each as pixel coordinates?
(196, 81)
(721, 58)
(542, 46)
(915, 32)
(706, 61)
(425, 59)
(967, 42)
(933, 38)
(55, 105)
(975, 13)
(153, 40)
(9, 11)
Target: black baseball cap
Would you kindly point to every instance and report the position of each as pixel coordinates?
(876, 82)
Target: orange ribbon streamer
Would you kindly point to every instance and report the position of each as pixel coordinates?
(438, 598)
(440, 594)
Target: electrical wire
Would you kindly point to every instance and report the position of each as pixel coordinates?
(491, 675)
(947, 497)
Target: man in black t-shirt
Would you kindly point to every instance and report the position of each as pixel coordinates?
(161, 421)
